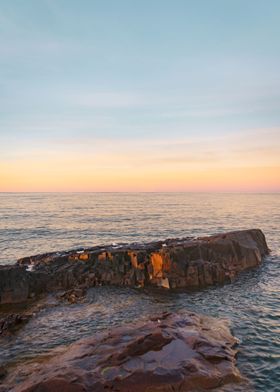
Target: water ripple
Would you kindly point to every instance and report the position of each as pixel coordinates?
(31, 224)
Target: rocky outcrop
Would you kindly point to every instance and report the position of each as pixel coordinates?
(183, 352)
(173, 263)
(11, 322)
(14, 284)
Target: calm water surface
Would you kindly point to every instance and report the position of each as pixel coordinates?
(35, 223)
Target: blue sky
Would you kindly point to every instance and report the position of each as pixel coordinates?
(80, 76)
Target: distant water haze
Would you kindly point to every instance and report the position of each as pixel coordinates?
(33, 223)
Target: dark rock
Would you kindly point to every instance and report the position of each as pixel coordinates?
(14, 284)
(183, 352)
(73, 296)
(174, 263)
(11, 322)
(3, 372)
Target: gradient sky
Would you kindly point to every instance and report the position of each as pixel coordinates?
(150, 95)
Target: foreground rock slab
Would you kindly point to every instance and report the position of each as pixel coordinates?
(173, 263)
(174, 352)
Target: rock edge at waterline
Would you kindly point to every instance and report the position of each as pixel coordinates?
(173, 263)
(172, 352)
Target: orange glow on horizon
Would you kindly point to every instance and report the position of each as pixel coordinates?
(79, 178)
(238, 163)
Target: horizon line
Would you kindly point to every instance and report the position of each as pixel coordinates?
(190, 192)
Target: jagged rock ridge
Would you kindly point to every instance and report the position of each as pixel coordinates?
(173, 263)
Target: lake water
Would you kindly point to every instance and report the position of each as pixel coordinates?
(36, 223)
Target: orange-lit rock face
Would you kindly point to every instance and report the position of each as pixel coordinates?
(102, 256)
(77, 257)
(84, 257)
(157, 262)
(73, 257)
(105, 256)
(133, 258)
(166, 266)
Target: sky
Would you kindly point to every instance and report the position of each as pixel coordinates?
(150, 95)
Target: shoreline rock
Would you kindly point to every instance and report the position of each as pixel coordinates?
(191, 263)
(12, 322)
(171, 352)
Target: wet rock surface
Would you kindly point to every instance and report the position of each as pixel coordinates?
(173, 263)
(11, 322)
(172, 352)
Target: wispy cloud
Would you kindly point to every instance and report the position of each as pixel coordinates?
(106, 100)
